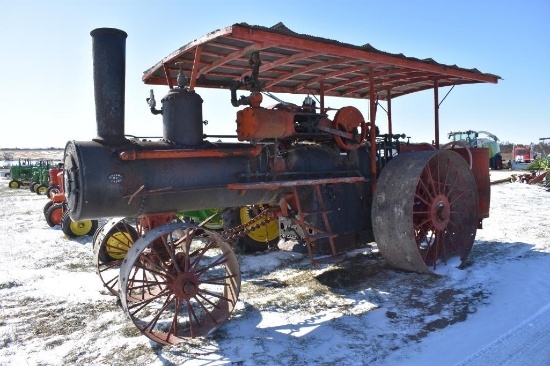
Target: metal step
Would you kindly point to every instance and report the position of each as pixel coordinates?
(316, 212)
(321, 236)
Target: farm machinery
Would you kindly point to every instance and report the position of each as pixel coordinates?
(326, 177)
(55, 180)
(481, 139)
(40, 180)
(26, 172)
(56, 211)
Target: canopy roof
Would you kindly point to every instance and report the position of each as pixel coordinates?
(302, 64)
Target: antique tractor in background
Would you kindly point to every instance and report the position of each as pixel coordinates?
(31, 174)
(21, 174)
(329, 182)
(40, 179)
(56, 211)
(55, 180)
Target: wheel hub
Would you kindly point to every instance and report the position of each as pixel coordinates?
(185, 286)
(440, 212)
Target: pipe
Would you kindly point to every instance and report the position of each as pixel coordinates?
(109, 61)
(233, 87)
(136, 154)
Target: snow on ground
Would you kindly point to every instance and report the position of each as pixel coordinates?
(496, 311)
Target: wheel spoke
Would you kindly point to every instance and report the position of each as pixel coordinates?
(429, 176)
(425, 188)
(174, 325)
(151, 267)
(139, 305)
(145, 284)
(221, 297)
(143, 275)
(191, 316)
(222, 259)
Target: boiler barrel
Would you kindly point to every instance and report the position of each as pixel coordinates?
(100, 184)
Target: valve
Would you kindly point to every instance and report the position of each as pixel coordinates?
(153, 103)
(182, 79)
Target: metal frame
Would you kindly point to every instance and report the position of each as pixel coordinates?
(302, 64)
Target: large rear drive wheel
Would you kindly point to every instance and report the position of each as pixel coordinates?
(41, 189)
(179, 281)
(14, 184)
(425, 210)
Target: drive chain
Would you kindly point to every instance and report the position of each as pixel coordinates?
(263, 218)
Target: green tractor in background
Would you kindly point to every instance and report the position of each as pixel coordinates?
(199, 216)
(21, 174)
(40, 179)
(481, 139)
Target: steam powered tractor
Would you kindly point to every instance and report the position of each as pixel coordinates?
(327, 176)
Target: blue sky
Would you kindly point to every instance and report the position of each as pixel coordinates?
(46, 90)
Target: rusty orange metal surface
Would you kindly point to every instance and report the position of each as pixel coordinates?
(261, 123)
(128, 155)
(480, 170)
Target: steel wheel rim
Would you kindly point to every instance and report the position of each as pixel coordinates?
(425, 210)
(178, 282)
(108, 270)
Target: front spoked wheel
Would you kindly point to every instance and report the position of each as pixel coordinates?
(111, 244)
(179, 281)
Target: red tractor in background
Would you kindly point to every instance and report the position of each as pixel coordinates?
(55, 180)
(56, 210)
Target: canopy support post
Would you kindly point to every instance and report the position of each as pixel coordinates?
(436, 113)
(372, 111)
(322, 96)
(389, 111)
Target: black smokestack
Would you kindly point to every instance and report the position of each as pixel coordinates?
(109, 58)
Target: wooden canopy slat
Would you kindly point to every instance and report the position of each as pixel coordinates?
(299, 64)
